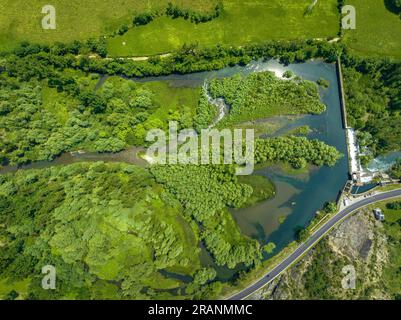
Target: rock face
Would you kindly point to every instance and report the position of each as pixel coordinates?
(353, 238)
(358, 243)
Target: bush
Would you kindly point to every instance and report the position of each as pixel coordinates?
(143, 19)
(323, 83)
(395, 171)
(394, 205)
(175, 12)
(393, 6)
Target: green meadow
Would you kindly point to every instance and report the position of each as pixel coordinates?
(242, 22)
(76, 20)
(378, 31)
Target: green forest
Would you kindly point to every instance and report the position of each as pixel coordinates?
(53, 102)
(118, 231)
(373, 97)
(122, 231)
(110, 229)
(248, 96)
(39, 122)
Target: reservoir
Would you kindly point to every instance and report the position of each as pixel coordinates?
(298, 195)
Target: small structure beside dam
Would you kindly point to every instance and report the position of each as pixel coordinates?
(358, 175)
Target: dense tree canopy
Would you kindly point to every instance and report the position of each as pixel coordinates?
(298, 151)
(373, 100)
(262, 95)
(110, 228)
(102, 223)
(115, 230)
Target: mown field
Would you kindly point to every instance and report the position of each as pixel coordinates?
(377, 30)
(241, 22)
(76, 20)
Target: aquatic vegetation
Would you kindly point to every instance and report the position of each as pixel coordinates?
(261, 95)
(298, 151)
(40, 123)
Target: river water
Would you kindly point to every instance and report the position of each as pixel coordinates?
(298, 196)
(130, 155)
(383, 163)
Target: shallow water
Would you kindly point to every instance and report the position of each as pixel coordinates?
(129, 155)
(383, 163)
(298, 197)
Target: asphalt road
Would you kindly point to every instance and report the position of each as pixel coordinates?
(313, 239)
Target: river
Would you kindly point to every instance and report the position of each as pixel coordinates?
(383, 163)
(130, 155)
(299, 196)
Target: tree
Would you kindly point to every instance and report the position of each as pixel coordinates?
(394, 205)
(12, 295)
(143, 19)
(269, 248)
(302, 234)
(288, 74)
(123, 29)
(393, 6)
(330, 207)
(395, 171)
(204, 275)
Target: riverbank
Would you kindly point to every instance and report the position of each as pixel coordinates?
(310, 241)
(300, 195)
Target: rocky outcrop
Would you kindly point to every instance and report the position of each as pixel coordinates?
(360, 242)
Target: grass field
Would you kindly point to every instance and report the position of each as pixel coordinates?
(173, 102)
(378, 31)
(263, 188)
(242, 22)
(76, 20)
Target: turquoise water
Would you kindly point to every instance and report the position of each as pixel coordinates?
(364, 188)
(300, 196)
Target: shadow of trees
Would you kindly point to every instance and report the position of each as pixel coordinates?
(393, 6)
